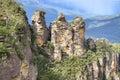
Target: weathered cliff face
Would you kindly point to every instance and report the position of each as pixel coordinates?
(39, 26)
(67, 38)
(105, 68)
(15, 64)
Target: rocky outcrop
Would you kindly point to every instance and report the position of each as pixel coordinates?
(67, 38)
(39, 26)
(90, 44)
(15, 69)
(105, 68)
(78, 27)
(17, 65)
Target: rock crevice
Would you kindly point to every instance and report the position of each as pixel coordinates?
(67, 38)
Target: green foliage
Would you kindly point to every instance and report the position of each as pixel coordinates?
(48, 44)
(2, 22)
(22, 39)
(19, 53)
(42, 51)
(32, 37)
(118, 73)
(103, 46)
(76, 22)
(3, 50)
(32, 43)
(67, 68)
(3, 30)
(44, 73)
(115, 47)
(12, 18)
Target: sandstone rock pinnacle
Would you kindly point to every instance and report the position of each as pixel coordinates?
(67, 38)
(61, 17)
(78, 27)
(39, 26)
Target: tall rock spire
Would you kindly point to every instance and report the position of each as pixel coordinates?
(39, 26)
(61, 17)
(78, 27)
(67, 38)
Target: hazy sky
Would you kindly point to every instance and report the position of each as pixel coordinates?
(70, 8)
(99, 7)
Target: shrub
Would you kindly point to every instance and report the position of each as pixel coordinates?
(3, 50)
(19, 53)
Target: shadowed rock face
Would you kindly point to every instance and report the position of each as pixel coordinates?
(67, 38)
(39, 26)
(90, 44)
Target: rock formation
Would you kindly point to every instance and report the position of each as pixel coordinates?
(25, 46)
(105, 68)
(67, 38)
(13, 68)
(90, 44)
(39, 26)
(78, 27)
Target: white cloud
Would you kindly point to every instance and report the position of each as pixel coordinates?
(40, 4)
(91, 6)
(97, 24)
(98, 7)
(58, 9)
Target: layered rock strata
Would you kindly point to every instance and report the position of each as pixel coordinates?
(105, 68)
(67, 38)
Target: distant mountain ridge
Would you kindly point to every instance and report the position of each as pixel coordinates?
(104, 27)
(106, 17)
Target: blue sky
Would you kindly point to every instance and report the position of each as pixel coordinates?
(71, 8)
